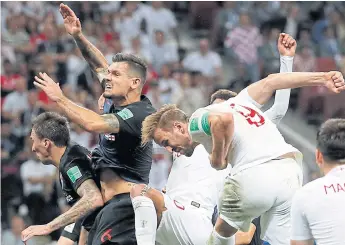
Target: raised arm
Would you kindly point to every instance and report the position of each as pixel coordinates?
(262, 90)
(92, 55)
(89, 120)
(91, 198)
(282, 97)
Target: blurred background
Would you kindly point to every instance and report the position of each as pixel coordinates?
(191, 48)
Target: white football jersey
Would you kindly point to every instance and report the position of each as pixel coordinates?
(256, 139)
(318, 210)
(192, 179)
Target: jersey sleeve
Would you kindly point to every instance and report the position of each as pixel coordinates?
(78, 171)
(299, 225)
(131, 118)
(198, 123)
(244, 96)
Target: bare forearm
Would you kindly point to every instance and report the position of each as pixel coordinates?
(262, 90)
(87, 119)
(84, 205)
(92, 55)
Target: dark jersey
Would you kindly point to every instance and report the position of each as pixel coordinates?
(123, 151)
(75, 168)
(256, 238)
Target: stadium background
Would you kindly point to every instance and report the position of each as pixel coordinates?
(238, 40)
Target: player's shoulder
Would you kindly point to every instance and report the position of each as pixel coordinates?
(140, 109)
(74, 152)
(309, 189)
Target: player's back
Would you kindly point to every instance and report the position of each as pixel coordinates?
(192, 181)
(256, 139)
(322, 204)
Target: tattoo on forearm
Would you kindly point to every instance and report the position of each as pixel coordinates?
(112, 121)
(90, 194)
(91, 54)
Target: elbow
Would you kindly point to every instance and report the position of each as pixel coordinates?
(219, 166)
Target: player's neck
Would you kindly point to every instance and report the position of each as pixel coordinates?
(129, 99)
(328, 167)
(57, 155)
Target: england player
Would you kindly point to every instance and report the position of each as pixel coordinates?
(120, 160)
(51, 142)
(318, 208)
(263, 163)
(193, 187)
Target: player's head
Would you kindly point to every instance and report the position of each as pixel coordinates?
(221, 95)
(168, 127)
(50, 131)
(126, 75)
(331, 143)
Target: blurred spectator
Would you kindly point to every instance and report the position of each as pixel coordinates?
(158, 17)
(162, 52)
(227, 19)
(242, 43)
(13, 236)
(270, 54)
(8, 78)
(337, 20)
(154, 94)
(53, 47)
(305, 60)
(38, 182)
(305, 40)
(137, 49)
(168, 86)
(17, 101)
(127, 23)
(76, 64)
(8, 141)
(329, 46)
(80, 136)
(292, 21)
(205, 61)
(191, 95)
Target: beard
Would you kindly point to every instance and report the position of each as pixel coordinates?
(47, 162)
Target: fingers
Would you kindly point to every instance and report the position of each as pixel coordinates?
(66, 11)
(78, 23)
(281, 37)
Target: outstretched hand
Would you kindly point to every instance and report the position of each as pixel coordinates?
(71, 22)
(51, 88)
(286, 45)
(335, 81)
(35, 230)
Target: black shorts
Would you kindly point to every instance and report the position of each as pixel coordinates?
(72, 231)
(114, 223)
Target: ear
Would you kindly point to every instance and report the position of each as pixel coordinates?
(179, 127)
(136, 82)
(47, 143)
(319, 157)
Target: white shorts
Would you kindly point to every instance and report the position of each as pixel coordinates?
(184, 225)
(265, 190)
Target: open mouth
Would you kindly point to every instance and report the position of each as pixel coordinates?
(108, 86)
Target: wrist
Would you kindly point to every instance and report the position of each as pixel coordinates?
(286, 57)
(77, 35)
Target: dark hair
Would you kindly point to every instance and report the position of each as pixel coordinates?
(52, 126)
(331, 140)
(222, 94)
(136, 64)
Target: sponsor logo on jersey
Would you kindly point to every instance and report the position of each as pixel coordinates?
(74, 174)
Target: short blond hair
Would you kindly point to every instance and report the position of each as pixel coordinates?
(163, 118)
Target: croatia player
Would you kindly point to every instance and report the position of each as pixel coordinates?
(266, 170)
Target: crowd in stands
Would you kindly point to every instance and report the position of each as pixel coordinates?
(240, 34)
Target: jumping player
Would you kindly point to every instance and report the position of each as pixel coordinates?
(193, 187)
(263, 163)
(317, 212)
(51, 143)
(120, 160)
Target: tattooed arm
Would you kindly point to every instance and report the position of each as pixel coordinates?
(91, 198)
(89, 120)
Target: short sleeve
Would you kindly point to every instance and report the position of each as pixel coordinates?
(78, 171)
(217, 62)
(131, 118)
(199, 123)
(299, 225)
(244, 96)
